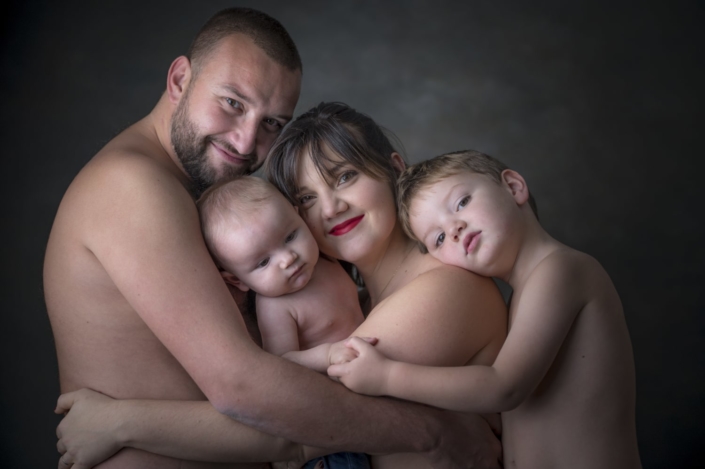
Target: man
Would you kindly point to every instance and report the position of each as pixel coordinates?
(139, 310)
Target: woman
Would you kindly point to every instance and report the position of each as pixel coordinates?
(340, 169)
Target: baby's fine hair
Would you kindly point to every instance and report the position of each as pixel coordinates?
(330, 127)
(424, 174)
(234, 199)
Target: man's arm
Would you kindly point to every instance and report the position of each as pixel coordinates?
(544, 314)
(145, 232)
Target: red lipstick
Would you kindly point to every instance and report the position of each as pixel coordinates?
(342, 228)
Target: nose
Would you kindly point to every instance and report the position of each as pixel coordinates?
(457, 227)
(244, 136)
(288, 259)
(332, 205)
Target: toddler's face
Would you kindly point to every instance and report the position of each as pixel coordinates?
(467, 220)
(271, 250)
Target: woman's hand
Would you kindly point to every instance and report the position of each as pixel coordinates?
(88, 434)
(368, 373)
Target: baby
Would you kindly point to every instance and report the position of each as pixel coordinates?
(259, 242)
(564, 379)
(306, 303)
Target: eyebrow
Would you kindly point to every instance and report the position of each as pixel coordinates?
(248, 100)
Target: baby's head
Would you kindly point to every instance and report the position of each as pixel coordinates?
(256, 237)
(465, 208)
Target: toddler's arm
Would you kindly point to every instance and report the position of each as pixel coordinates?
(546, 312)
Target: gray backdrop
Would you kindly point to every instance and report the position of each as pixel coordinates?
(596, 103)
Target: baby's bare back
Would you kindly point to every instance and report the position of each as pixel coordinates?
(581, 415)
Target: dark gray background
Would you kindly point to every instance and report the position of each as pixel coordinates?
(598, 104)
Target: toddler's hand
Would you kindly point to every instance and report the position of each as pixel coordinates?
(365, 374)
(339, 353)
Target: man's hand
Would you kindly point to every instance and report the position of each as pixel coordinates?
(468, 441)
(368, 373)
(86, 435)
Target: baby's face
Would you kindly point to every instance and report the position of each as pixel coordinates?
(467, 220)
(270, 250)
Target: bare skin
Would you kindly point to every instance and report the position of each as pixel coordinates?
(565, 375)
(301, 326)
(139, 310)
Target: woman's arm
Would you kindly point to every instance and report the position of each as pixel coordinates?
(447, 316)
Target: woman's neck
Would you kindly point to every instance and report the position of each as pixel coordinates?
(382, 272)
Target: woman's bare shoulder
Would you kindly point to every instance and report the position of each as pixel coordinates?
(448, 313)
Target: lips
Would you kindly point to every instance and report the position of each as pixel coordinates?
(346, 226)
(471, 240)
(296, 273)
(235, 158)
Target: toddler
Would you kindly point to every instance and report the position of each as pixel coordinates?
(564, 378)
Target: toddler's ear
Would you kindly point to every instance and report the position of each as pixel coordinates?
(230, 279)
(516, 185)
(398, 163)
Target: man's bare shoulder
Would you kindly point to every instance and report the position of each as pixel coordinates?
(132, 160)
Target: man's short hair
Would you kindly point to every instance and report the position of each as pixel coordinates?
(424, 174)
(266, 32)
(229, 200)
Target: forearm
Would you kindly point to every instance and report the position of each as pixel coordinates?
(315, 358)
(478, 389)
(194, 430)
(287, 400)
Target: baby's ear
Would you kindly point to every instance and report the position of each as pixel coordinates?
(516, 185)
(230, 279)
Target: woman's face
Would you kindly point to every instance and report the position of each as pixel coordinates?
(350, 214)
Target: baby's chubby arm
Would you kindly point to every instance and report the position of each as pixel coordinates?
(544, 313)
(280, 337)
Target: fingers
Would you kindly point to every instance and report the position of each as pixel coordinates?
(61, 447)
(65, 402)
(358, 344)
(65, 462)
(338, 371)
(370, 340)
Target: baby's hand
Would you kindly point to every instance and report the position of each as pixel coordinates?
(339, 353)
(365, 374)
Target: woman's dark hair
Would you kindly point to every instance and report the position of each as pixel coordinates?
(328, 131)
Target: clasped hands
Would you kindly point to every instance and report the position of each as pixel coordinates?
(358, 364)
